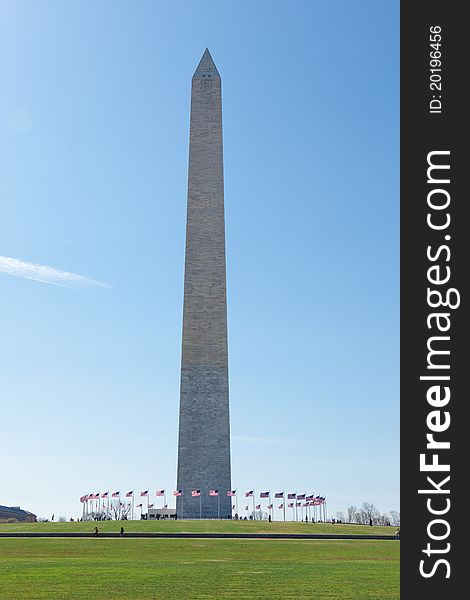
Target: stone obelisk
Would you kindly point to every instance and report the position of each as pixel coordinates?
(204, 427)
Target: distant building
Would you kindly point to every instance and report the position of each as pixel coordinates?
(15, 512)
(161, 513)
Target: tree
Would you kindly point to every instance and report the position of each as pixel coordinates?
(120, 510)
(340, 517)
(395, 518)
(368, 514)
(383, 519)
(352, 510)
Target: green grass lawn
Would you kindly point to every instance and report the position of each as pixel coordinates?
(148, 569)
(201, 526)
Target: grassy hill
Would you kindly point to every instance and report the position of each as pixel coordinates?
(200, 526)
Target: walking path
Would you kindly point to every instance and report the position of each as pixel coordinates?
(176, 535)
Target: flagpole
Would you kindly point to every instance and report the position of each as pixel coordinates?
(284, 505)
(271, 509)
(182, 504)
(295, 506)
(218, 506)
(132, 504)
(200, 504)
(254, 504)
(236, 501)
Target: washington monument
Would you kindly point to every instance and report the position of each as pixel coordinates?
(204, 427)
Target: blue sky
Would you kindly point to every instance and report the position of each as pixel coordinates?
(94, 124)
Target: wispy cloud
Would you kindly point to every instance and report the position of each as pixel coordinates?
(263, 440)
(69, 241)
(43, 273)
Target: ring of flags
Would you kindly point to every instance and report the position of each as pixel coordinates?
(303, 500)
(310, 500)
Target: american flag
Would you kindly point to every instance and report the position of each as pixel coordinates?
(270, 506)
(166, 506)
(104, 494)
(246, 507)
(258, 507)
(83, 498)
(310, 497)
(281, 506)
(178, 493)
(298, 503)
(300, 496)
(233, 506)
(249, 494)
(264, 495)
(150, 505)
(129, 494)
(115, 494)
(305, 504)
(139, 506)
(279, 495)
(160, 493)
(146, 493)
(291, 505)
(214, 493)
(291, 496)
(195, 493)
(232, 493)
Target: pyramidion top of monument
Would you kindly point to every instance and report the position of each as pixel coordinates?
(206, 67)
